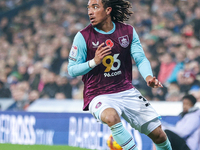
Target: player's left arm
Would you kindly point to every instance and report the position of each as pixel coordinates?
(142, 62)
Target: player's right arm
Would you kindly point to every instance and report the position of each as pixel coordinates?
(77, 58)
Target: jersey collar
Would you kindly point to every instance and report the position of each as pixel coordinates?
(109, 32)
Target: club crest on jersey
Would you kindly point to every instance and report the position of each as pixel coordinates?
(73, 51)
(95, 45)
(124, 41)
(98, 105)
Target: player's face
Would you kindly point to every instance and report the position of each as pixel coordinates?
(97, 14)
(187, 104)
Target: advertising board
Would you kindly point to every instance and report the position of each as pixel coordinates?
(74, 129)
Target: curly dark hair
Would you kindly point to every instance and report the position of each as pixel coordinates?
(120, 9)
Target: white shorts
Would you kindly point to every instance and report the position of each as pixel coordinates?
(130, 105)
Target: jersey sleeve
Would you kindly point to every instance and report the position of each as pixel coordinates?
(77, 57)
(138, 55)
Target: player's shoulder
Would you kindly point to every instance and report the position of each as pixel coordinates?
(124, 27)
(124, 24)
(86, 29)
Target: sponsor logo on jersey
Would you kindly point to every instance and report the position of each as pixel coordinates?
(124, 41)
(73, 51)
(113, 74)
(95, 45)
(110, 43)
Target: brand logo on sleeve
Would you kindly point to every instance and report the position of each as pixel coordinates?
(124, 41)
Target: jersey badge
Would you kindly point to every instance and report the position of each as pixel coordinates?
(95, 45)
(98, 105)
(124, 41)
(73, 51)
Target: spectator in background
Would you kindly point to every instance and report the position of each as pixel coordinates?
(179, 24)
(191, 56)
(63, 86)
(159, 94)
(4, 92)
(50, 86)
(187, 78)
(195, 68)
(43, 79)
(5, 29)
(6, 5)
(179, 58)
(3, 6)
(196, 23)
(166, 67)
(155, 65)
(22, 72)
(33, 95)
(173, 97)
(185, 134)
(189, 16)
(57, 63)
(20, 94)
(60, 96)
(8, 70)
(35, 72)
(76, 83)
(173, 92)
(197, 52)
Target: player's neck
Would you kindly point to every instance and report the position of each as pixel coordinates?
(106, 26)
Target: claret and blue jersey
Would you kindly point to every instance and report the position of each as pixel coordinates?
(114, 74)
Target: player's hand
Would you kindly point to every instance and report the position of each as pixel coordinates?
(153, 82)
(101, 52)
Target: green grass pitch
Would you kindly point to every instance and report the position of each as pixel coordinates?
(37, 147)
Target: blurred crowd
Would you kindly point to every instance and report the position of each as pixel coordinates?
(35, 46)
(6, 5)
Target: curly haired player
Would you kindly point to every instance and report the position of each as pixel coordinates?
(102, 53)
